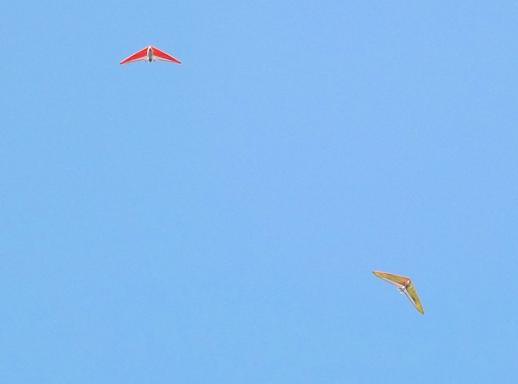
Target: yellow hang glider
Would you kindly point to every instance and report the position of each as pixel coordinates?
(405, 285)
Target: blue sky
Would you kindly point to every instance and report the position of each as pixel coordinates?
(218, 221)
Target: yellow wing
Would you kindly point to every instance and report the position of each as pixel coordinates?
(412, 295)
(404, 284)
(398, 280)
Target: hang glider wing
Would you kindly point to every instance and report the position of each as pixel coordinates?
(140, 55)
(161, 55)
(404, 284)
(412, 295)
(398, 280)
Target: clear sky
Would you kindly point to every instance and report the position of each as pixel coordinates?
(218, 221)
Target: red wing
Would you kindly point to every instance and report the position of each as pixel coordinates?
(161, 55)
(140, 55)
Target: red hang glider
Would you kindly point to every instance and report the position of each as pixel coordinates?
(149, 54)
